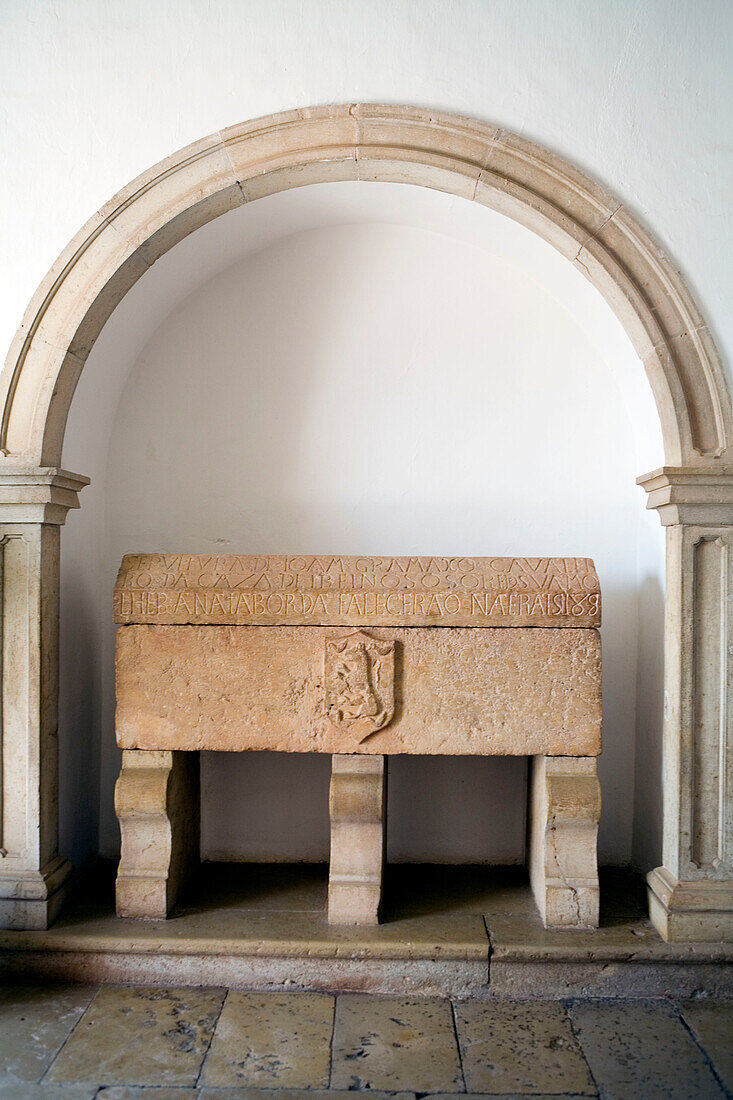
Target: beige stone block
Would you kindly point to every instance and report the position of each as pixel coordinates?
(530, 209)
(548, 175)
(410, 130)
(157, 805)
(520, 1047)
(565, 808)
(603, 268)
(642, 1050)
(33, 877)
(325, 590)
(103, 261)
(358, 809)
(245, 1093)
(272, 1040)
(168, 189)
(332, 167)
(712, 1024)
(132, 1092)
(419, 168)
(141, 1037)
(395, 1043)
(189, 220)
(35, 1022)
(291, 139)
(481, 692)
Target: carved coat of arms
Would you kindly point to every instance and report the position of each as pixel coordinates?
(359, 681)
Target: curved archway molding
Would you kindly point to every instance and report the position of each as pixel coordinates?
(691, 896)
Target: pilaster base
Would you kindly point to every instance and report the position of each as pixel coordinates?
(690, 912)
(33, 899)
(565, 808)
(357, 806)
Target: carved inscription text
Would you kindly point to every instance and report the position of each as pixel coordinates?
(303, 590)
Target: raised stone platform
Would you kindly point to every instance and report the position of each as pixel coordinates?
(472, 932)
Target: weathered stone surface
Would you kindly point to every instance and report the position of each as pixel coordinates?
(309, 590)
(642, 1050)
(141, 1037)
(157, 806)
(272, 1041)
(24, 1090)
(712, 1024)
(395, 1043)
(462, 691)
(134, 1092)
(518, 1047)
(35, 1022)
(357, 806)
(565, 808)
(245, 1093)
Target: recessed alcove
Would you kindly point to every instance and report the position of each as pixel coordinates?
(362, 369)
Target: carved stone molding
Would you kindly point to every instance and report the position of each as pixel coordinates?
(691, 895)
(475, 160)
(690, 494)
(33, 505)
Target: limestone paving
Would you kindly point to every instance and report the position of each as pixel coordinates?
(136, 1044)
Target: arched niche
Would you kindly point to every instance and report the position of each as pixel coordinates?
(691, 896)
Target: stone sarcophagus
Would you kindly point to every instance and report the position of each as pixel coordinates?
(361, 658)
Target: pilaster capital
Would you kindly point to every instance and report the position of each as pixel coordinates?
(693, 495)
(41, 494)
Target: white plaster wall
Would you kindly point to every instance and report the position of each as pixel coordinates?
(637, 92)
(363, 368)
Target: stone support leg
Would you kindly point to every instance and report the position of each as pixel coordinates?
(691, 895)
(157, 804)
(33, 876)
(357, 805)
(565, 808)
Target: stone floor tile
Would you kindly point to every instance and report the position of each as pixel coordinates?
(712, 1024)
(394, 1043)
(35, 1021)
(141, 1037)
(520, 1047)
(134, 1092)
(13, 1089)
(298, 1094)
(272, 1040)
(638, 1049)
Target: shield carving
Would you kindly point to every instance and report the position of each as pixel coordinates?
(359, 681)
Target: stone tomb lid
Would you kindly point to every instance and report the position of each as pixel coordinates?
(328, 590)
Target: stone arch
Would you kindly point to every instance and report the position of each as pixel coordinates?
(473, 160)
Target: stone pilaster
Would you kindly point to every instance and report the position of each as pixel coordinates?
(357, 805)
(691, 895)
(33, 505)
(157, 800)
(565, 808)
